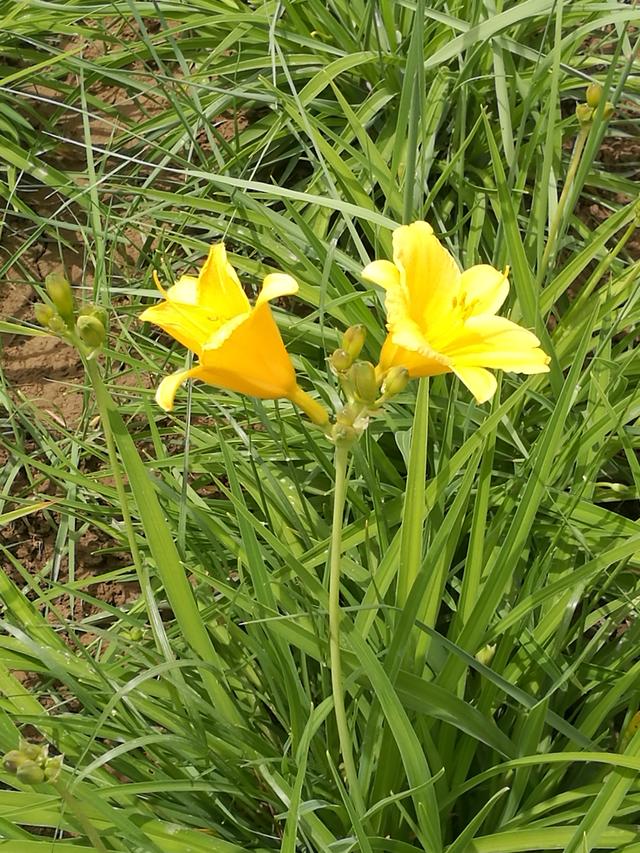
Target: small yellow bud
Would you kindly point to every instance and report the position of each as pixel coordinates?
(340, 360)
(13, 760)
(34, 751)
(353, 340)
(58, 325)
(584, 114)
(61, 295)
(365, 384)
(594, 94)
(485, 655)
(30, 773)
(91, 331)
(395, 381)
(43, 314)
(97, 311)
(52, 768)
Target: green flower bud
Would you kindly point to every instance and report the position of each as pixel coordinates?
(61, 295)
(91, 331)
(594, 94)
(43, 314)
(365, 384)
(97, 311)
(13, 760)
(58, 325)
(34, 751)
(584, 114)
(52, 768)
(395, 381)
(340, 360)
(30, 773)
(353, 340)
(485, 655)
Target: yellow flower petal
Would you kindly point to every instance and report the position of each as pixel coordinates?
(483, 289)
(419, 363)
(480, 382)
(190, 325)
(513, 361)
(429, 274)
(218, 286)
(185, 290)
(276, 284)
(252, 360)
(168, 387)
(480, 334)
(383, 273)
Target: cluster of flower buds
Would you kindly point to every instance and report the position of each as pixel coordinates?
(86, 325)
(31, 763)
(365, 388)
(586, 112)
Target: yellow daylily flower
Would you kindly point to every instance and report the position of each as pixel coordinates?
(238, 346)
(441, 320)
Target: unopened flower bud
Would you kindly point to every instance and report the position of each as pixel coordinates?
(340, 360)
(30, 773)
(395, 381)
(43, 313)
(584, 114)
(34, 751)
(594, 94)
(58, 325)
(365, 384)
(91, 331)
(61, 295)
(486, 654)
(52, 768)
(353, 340)
(13, 760)
(97, 311)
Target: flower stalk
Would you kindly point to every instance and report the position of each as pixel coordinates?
(586, 113)
(335, 615)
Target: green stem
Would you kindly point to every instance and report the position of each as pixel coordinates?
(557, 218)
(337, 686)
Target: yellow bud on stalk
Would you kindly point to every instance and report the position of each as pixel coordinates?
(395, 381)
(96, 311)
(365, 384)
(13, 760)
(594, 94)
(43, 314)
(61, 295)
(91, 331)
(584, 114)
(52, 768)
(340, 360)
(30, 773)
(35, 751)
(353, 340)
